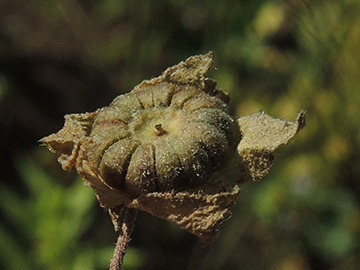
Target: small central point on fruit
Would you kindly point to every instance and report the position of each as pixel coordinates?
(159, 130)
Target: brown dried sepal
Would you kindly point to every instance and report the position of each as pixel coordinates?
(200, 214)
(261, 136)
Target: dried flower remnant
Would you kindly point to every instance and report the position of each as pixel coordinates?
(171, 148)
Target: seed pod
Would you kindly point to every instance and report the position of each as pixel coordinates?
(166, 119)
(171, 148)
(168, 134)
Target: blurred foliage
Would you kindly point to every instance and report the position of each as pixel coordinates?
(66, 56)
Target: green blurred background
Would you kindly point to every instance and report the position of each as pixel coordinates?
(67, 56)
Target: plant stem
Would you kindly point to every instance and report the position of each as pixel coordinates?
(127, 227)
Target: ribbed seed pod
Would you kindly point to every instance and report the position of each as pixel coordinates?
(168, 148)
(161, 137)
(168, 133)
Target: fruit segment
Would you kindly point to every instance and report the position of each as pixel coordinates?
(115, 161)
(141, 176)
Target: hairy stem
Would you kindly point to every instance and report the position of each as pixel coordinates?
(127, 227)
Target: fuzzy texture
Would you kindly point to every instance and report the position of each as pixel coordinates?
(171, 148)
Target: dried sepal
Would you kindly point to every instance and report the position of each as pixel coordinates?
(68, 140)
(191, 71)
(262, 135)
(198, 213)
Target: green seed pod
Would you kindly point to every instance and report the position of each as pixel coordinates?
(171, 137)
(171, 148)
(168, 134)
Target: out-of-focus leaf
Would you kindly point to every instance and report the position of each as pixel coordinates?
(12, 255)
